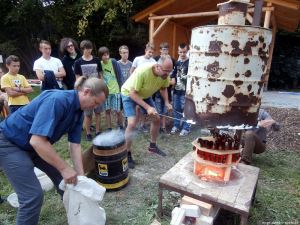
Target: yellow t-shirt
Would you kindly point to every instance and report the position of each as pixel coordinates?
(143, 81)
(10, 81)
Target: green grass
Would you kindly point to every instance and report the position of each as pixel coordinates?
(277, 196)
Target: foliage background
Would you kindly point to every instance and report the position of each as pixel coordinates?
(104, 22)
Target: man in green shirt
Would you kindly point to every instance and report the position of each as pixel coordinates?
(138, 90)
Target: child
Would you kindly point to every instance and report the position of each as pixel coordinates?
(138, 61)
(179, 79)
(89, 66)
(114, 80)
(159, 102)
(15, 85)
(124, 63)
(49, 69)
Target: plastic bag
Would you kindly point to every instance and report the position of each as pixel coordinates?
(82, 202)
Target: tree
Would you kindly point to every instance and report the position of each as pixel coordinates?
(105, 22)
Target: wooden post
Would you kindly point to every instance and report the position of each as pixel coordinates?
(174, 45)
(267, 17)
(257, 12)
(274, 30)
(160, 27)
(151, 29)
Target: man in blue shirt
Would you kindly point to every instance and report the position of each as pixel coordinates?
(26, 139)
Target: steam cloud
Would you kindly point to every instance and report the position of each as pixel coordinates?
(109, 138)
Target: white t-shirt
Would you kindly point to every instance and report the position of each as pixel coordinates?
(141, 60)
(47, 64)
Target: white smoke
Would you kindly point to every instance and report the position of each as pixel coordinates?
(109, 138)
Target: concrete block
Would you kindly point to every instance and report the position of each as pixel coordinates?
(191, 210)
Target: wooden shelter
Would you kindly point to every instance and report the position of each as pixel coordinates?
(173, 20)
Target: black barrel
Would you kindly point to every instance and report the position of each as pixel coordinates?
(111, 164)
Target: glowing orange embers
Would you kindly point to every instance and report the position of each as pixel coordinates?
(213, 160)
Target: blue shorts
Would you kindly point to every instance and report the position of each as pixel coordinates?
(113, 102)
(129, 105)
(97, 110)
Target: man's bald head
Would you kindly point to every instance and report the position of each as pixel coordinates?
(166, 62)
(165, 68)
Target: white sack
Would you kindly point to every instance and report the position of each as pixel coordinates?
(82, 202)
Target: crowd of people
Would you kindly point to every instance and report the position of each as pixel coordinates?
(78, 87)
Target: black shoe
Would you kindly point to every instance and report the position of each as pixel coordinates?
(131, 163)
(162, 130)
(89, 137)
(157, 151)
(92, 128)
(97, 133)
(109, 129)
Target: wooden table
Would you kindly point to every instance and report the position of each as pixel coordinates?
(236, 195)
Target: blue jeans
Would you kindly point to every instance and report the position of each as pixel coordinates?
(160, 104)
(178, 105)
(18, 166)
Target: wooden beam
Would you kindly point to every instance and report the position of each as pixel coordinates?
(174, 40)
(267, 17)
(151, 29)
(249, 18)
(160, 26)
(151, 9)
(274, 30)
(200, 14)
(291, 4)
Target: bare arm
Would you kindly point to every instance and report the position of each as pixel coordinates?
(172, 81)
(131, 70)
(164, 94)
(15, 91)
(26, 90)
(46, 151)
(75, 152)
(40, 74)
(61, 73)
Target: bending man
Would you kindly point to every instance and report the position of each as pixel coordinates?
(138, 90)
(27, 137)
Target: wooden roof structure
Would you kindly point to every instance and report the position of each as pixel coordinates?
(172, 20)
(287, 12)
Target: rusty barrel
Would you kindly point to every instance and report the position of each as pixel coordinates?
(111, 160)
(226, 74)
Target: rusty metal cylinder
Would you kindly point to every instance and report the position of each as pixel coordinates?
(232, 12)
(226, 74)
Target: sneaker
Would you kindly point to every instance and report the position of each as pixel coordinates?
(174, 130)
(184, 133)
(143, 129)
(89, 137)
(157, 151)
(131, 163)
(97, 133)
(163, 130)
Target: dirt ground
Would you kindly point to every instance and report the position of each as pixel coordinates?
(140, 198)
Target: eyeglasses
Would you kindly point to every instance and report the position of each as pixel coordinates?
(70, 46)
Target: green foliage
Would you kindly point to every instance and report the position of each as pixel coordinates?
(111, 9)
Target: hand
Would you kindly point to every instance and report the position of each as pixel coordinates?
(151, 111)
(69, 175)
(266, 123)
(169, 107)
